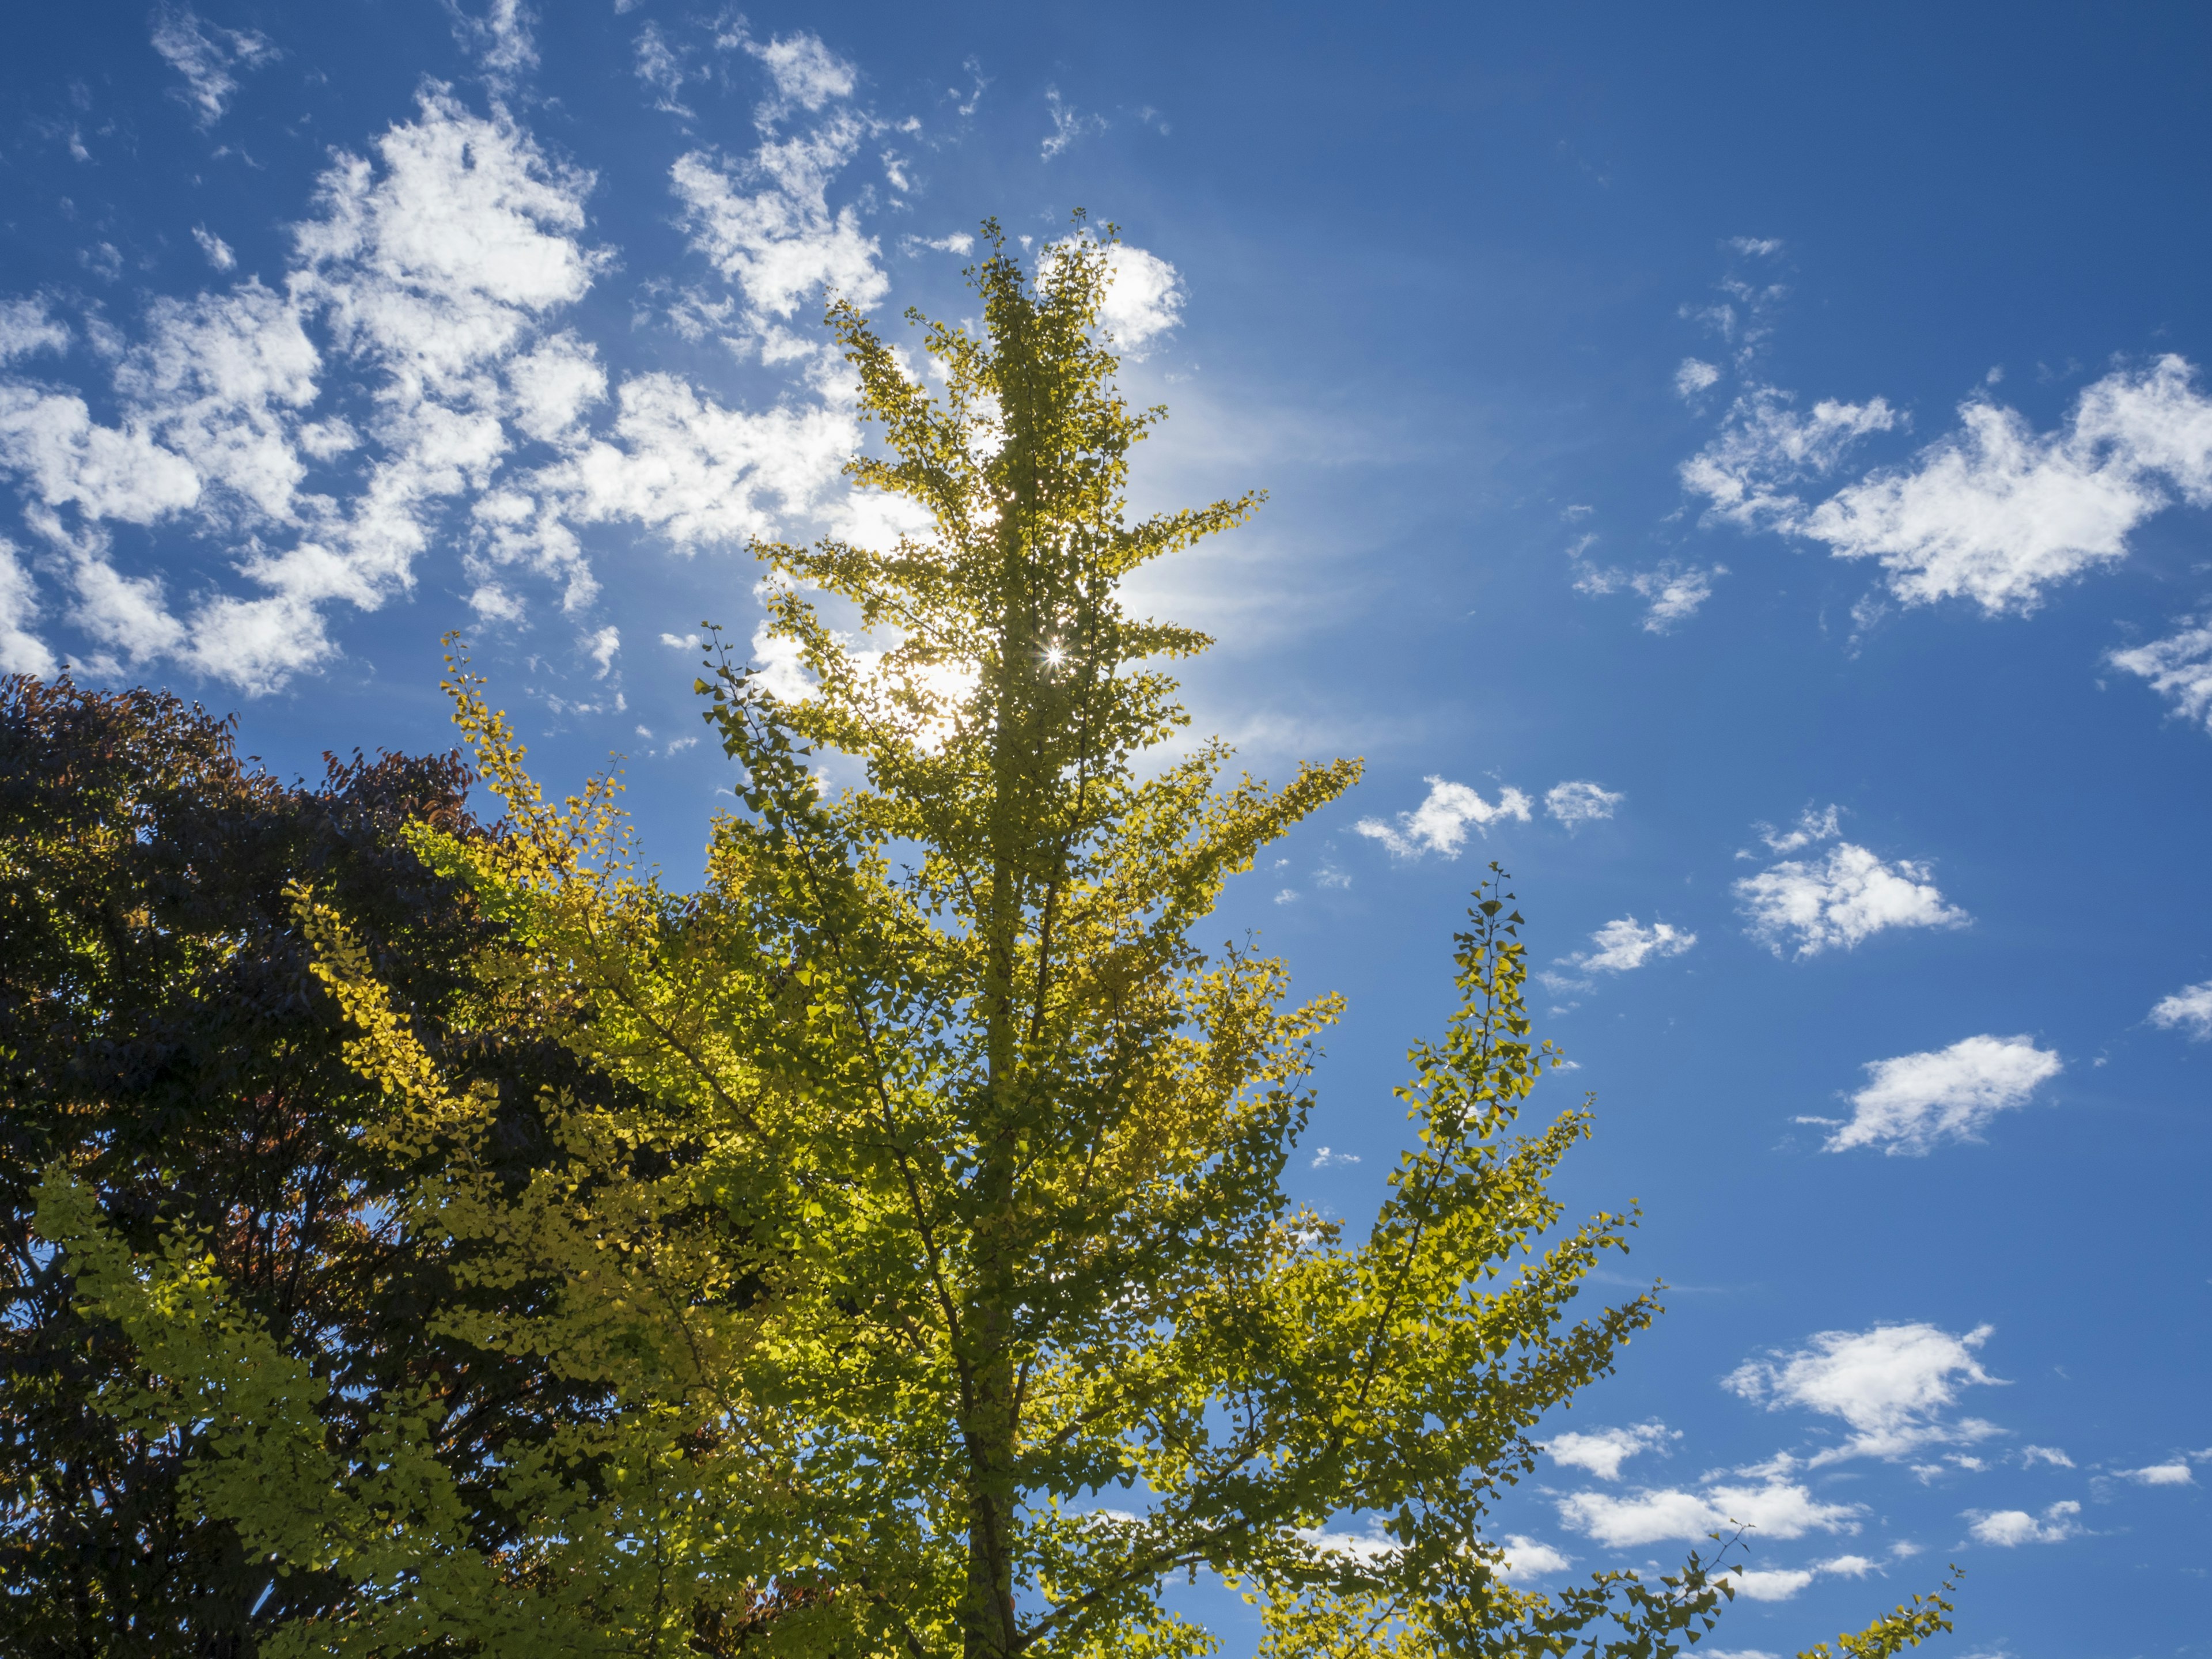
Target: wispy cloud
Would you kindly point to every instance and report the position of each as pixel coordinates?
(209, 58)
(2179, 667)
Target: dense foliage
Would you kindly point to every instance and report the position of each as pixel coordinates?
(901, 1264)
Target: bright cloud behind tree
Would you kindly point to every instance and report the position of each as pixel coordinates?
(1669, 460)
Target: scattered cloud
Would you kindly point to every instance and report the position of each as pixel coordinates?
(661, 66)
(2188, 1010)
(1811, 827)
(502, 39)
(1603, 1452)
(1777, 1510)
(1625, 944)
(21, 652)
(1068, 124)
(2031, 1455)
(1995, 512)
(217, 251)
(1695, 375)
(1839, 900)
(2011, 1528)
(1324, 1158)
(1765, 446)
(1439, 823)
(1915, 1102)
(2179, 668)
(208, 58)
(1890, 1385)
(26, 329)
(2175, 1474)
(682, 641)
(601, 648)
(1579, 801)
(1672, 591)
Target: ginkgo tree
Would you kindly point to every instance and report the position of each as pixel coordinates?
(928, 1284)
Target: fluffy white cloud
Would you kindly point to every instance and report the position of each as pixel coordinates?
(1996, 511)
(1528, 1558)
(1324, 1158)
(764, 221)
(21, 652)
(1671, 591)
(2175, 1474)
(1143, 296)
(2011, 1528)
(1626, 944)
(1578, 801)
(1771, 1584)
(1776, 1509)
(678, 463)
(1765, 446)
(1603, 1452)
(25, 328)
(1439, 823)
(1890, 1385)
(1847, 896)
(2189, 1009)
(206, 57)
(1915, 1102)
(2179, 667)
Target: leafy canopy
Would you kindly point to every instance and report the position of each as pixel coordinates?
(930, 1278)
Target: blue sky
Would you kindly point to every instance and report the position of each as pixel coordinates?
(1744, 468)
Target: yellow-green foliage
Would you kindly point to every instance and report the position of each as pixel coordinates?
(940, 1282)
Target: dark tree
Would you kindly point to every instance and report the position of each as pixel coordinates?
(161, 1035)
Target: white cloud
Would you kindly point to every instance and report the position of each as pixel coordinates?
(2189, 1009)
(1771, 1584)
(1846, 1566)
(1068, 124)
(1579, 801)
(1775, 1509)
(2011, 1528)
(2031, 1455)
(217, 251)
(1694, 376)
(1810, 826)
(501, 38)
(2175, 1474)
(1995, 512)
(805, 72)
(681, 642)
(1914, 1101)
(781, 243)
(1840, 900)
(1890, 1385)
(1528, 1558)
(25, 329)
(1439, 823)
(1603, 1452)
(1626, 944)
(1671, 589)
(1143, 296)
(700, 474)
(660, 67)
(1324, 1158)
(601, 648)
(958, 241)
(2179, 667)
(1765, 446)
(21, 652)
(205, 56)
